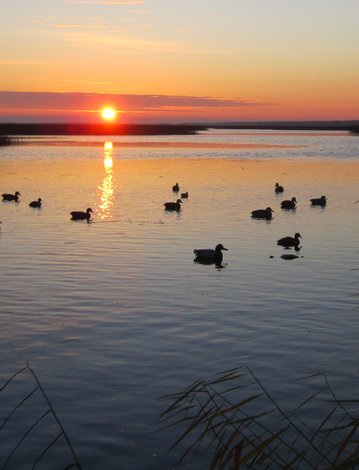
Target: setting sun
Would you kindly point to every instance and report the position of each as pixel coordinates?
(108, 113)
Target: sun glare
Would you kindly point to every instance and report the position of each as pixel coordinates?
(108, 113)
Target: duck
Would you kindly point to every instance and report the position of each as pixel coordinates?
(289, 204)
(278, 189)
(78, 215)
(210, 255)
(173, 206)
(11, 197)
(263, 213)
(36, 203)
(321, 201)
(184, 195)
(288, 242)
(175, 188)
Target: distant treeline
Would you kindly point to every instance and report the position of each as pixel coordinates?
(98, 129)
(15, 129)
(350, 126)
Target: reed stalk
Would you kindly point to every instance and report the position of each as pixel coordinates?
(235, 417)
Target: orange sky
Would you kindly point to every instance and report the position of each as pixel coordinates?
(166, 61)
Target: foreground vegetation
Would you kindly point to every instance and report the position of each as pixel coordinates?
(236, 419)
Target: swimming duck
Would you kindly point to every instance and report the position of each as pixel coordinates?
(11, 197)
(263, 213)
(173, 206)
(184, 195)
(78, 215)
(319, 202)
(288, 242)
(36, 203)
(210, 255)
(175, 188)
(278, 189)
(289, 204)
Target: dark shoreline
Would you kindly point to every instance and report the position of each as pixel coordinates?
(98, 129)
(17, 129)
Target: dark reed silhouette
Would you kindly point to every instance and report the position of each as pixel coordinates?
(78, 215)
(36, 204)
(9, 140)
(278, 188)
(289, 203)
(263, 213)
(11, 197)
(240, 425)
(173, 206)
(321, 201)
(289, 242)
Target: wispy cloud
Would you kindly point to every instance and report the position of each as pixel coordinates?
(130, 103)
(80, 26)
(27, 62)
(108, 2)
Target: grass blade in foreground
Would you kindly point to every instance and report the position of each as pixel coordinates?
(250, 430)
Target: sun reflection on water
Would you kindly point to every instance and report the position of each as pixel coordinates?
(106, 191)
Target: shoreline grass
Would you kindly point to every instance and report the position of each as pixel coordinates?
(6, 140)
(235, 419)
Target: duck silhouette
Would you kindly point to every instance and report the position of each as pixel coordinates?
(175, 188)
(173, 206)
(289, 203)
(184, 195)
(289, 242)
(263, 213)
(278, 188)
(209, 256)
(11, 197)
(36, 204)
(78, 215)
(321, 201)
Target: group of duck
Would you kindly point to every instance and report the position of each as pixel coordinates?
(206, 255)
(209, 255)
(175, 206)
(15, 198)
(287, 242)
(75, 215)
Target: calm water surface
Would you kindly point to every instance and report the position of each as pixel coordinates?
(114, 313)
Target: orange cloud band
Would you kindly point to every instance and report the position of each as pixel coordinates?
(108, 2)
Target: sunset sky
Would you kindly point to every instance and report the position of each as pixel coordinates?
(179, 61)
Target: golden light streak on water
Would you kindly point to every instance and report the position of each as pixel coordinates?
(106, 191)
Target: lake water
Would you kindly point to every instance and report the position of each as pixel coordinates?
(113, 314)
